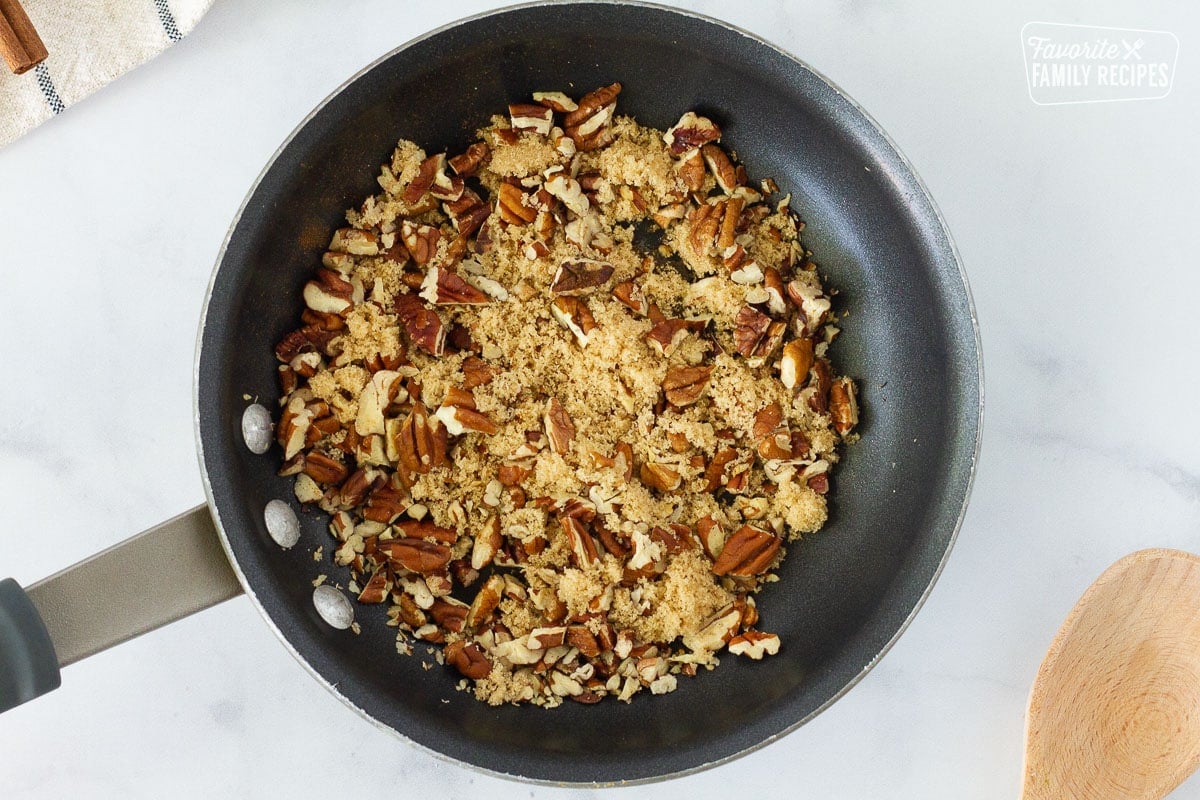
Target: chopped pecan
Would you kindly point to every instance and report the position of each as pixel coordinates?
(747, 552)
(330, 293)
(843, 405)
(443, 287)
(487, 599)
(323, 469)
(421, 241)
(560, 430)
(583, 546)
(574, 315)
(755, 335)
(476, 372)
(754, 644)
(468, 658)
(487, 544)
(416, 555)
(690, 168)
(580, 276)
(630, 294)
(423, 325)
(467, 163)
(354, 241)
(427, 173)
(705, 222)
(587, 125)
(377, 588)
(795, 362)
(721, 167)
(668, 334)
(468, 213)
(690, 132)
(823, 381)
(555, 100)
(421, 441)
(531, 117)
(513, 205)
(685, 385)
(660, 476)
(385, 504)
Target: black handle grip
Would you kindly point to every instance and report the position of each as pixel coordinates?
(28, 664)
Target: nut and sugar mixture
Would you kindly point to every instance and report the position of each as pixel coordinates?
(569, 461)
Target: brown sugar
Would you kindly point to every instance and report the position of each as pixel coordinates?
(570, 462)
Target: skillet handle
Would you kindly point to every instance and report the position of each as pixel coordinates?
(160, 575)
(28, 665)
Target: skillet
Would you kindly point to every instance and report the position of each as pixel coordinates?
(845, 594)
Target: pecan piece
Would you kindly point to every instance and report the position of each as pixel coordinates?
(747, 552)
(467, 163)
(423, 325)
(468, 213)
(385, 503)
(754, 644)
(377, 588)
(323, 469)
(755, 335)
(574, 315)
(443, 287)
(421, 241)
(560, 430)
(583, 546)
(587, 125)
(486, 601)
(796, 361)
(843, 405)
(705, 222)
(721, 167)
(580, 637)
(416, 555)
(513, 205)
(690, 168)
(427, 173)
(421, 442)
(630, 294)
(823, 374)
(685, 385)
(580, 276)
(468, 658)
(556, 101)
(690, 132)
(330, 293)
(487, 544)
(668, 334)
(531, 117)
(660, 476)
(354, 241)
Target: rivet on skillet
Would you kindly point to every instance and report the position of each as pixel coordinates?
(333, 606)
(256, 428)
(282, 523)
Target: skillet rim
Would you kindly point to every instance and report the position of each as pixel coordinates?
(978, 420)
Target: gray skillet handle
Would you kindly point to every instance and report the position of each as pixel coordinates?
(163, 574)
(28, 665)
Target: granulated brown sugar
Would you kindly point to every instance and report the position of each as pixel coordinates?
(568, 462)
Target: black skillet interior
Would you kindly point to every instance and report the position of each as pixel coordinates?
(908, 336)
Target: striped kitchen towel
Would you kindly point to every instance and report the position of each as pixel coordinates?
(91, 42)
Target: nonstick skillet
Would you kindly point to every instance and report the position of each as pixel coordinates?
(845, 594)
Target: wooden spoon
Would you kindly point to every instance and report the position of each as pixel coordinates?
(1115, 709)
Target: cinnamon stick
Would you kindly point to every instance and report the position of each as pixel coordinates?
(19, 41)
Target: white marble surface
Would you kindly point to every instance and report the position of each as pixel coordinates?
(1075, 224)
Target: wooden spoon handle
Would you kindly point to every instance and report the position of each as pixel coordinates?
(23, 49)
